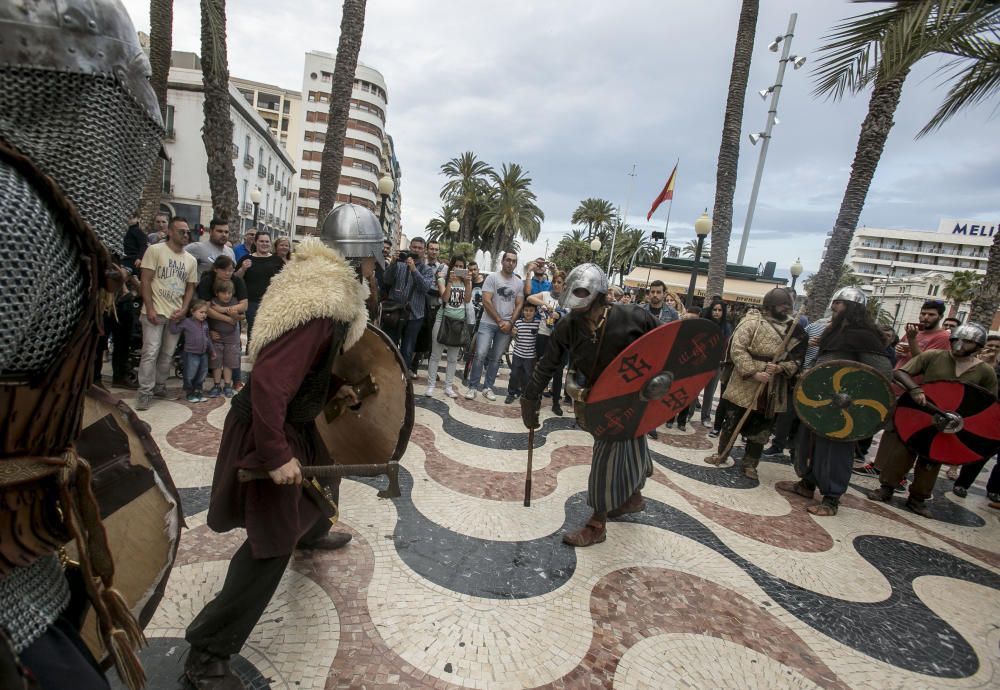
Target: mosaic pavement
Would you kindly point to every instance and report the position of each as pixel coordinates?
(722, 582)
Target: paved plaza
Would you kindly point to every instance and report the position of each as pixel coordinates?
(722, 582)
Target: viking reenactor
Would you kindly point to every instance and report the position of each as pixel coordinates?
(959, 364)
(832, 425)
(313, 310)
(592, 335)
(766, 350)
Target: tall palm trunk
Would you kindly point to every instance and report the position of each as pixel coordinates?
(352, 26)
(161, 28)
(986, 298)
(218, 131)
(729, 149)
(871, 142)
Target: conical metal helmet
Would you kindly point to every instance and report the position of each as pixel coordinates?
(355, 232)
(850, 294)
(586, 279)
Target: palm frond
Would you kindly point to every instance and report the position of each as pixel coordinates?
(975, 73)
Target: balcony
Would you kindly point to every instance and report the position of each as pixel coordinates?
(270, 178)
(248, 162)
(247, 208)
(277, 185)
(236, 152)
(261, 171)
(170, 135)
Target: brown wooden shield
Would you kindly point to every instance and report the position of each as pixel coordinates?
(139, 504)
(378, 429)
(844, 400)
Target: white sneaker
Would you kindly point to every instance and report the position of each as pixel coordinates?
(429, 392)
(450, 392)
(489, 394)
(470, 394)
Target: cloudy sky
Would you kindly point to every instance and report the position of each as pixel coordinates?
(579, 92)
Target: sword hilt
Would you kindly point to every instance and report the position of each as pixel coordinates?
(390, 469)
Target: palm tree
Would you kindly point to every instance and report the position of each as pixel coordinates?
(729, 148)
(691, 248)
(466, 190)
(575, 235)
(161, 30)
(218, 131)
(633, 247)
(437, 227)
(510, 212)
(880, 48)
(881, 315)
(598, 215)
(960, 288)
(352, 26)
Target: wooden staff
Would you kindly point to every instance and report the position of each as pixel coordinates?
(527, 479)
(779, 355)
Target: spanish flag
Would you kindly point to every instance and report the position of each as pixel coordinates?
(665, 195)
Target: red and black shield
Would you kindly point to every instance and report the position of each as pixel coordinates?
(653, 379)
(964, 428)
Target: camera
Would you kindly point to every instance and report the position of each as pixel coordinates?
(404, 255)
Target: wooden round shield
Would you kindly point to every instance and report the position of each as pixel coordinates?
(378, 429)
(140, 506)
(964, 427)
(843, 400)
(653, 379)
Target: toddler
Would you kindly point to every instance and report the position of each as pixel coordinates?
(225, 335)
(196, 347)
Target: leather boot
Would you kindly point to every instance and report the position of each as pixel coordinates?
(882, 493)
(328, 542)
(204, 671)
(919, 507)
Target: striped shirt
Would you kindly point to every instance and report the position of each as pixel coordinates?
(524, 342)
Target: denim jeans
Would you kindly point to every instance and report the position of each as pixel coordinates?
(158, 345)
(195, 371)
(707, 398)
(409, 340)
(490, 346)
(251, 315)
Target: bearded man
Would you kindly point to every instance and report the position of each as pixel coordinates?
(960, 363)
(592, 335)
(314, 309)
(765, 361)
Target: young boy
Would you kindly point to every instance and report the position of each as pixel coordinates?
(196, 347)
(525, 333)
(225, 332)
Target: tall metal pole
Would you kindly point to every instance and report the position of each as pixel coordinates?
(694, 272)
(621, 221)
(256, 209)
(663, 245)
(766, 137)
(381, 215)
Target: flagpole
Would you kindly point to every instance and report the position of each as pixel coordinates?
(666, 228)
(621, 222)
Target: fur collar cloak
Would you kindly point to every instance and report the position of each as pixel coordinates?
(317, 283)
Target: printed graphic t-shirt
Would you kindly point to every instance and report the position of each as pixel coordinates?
(171, 273)
(505, 292)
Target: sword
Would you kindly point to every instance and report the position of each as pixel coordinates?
(527, 479)
(390, 469)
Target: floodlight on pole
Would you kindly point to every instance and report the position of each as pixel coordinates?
(797, 61)
(764, 92)
(765, 136)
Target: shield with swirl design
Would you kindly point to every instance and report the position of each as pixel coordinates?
(843, 400)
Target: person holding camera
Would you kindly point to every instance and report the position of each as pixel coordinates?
(539, 282)
(455, 291)
(408, 280)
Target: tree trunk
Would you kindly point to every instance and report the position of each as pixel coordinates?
(161, 26)
(871, 142)
(218, 131)
(352, 26)
(986, 297)
(729, 149)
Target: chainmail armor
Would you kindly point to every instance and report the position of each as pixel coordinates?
(33, 598)
(89, 134)
(41, 280)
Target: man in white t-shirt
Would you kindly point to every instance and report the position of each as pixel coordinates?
(206, 252)
(168, 277)
(503, 296)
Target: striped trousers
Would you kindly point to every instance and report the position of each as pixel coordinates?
(617, 470)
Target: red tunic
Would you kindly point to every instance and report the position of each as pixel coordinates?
(275, 517)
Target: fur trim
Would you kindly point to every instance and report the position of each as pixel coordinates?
(317, 283)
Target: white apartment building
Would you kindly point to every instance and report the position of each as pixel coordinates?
(259, 160)
(368, 151)
(957, 245)
(280, 108)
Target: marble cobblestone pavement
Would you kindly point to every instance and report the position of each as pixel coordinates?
(722, 582)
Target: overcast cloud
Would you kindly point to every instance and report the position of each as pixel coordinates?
(578, 92)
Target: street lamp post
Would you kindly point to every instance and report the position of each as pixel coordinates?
(702, 227)
(796, 271)
(453, 227)
(385, 188)
(255, 196)
(595, 246)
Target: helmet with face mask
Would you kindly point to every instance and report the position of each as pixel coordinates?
(969, 332)
(355, 232)
(850, 294)
(588, 279)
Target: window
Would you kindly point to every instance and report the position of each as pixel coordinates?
(246, 183)
(169, 124)
(326, 77)
(260, 155)
(167, 187)
(246, 146)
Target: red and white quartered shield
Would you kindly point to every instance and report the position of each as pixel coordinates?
(961, 424)
(653, 379)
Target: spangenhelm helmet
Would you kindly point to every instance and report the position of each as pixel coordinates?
(850, 294)
(589, 280)
(355, 232)
(971, 332)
